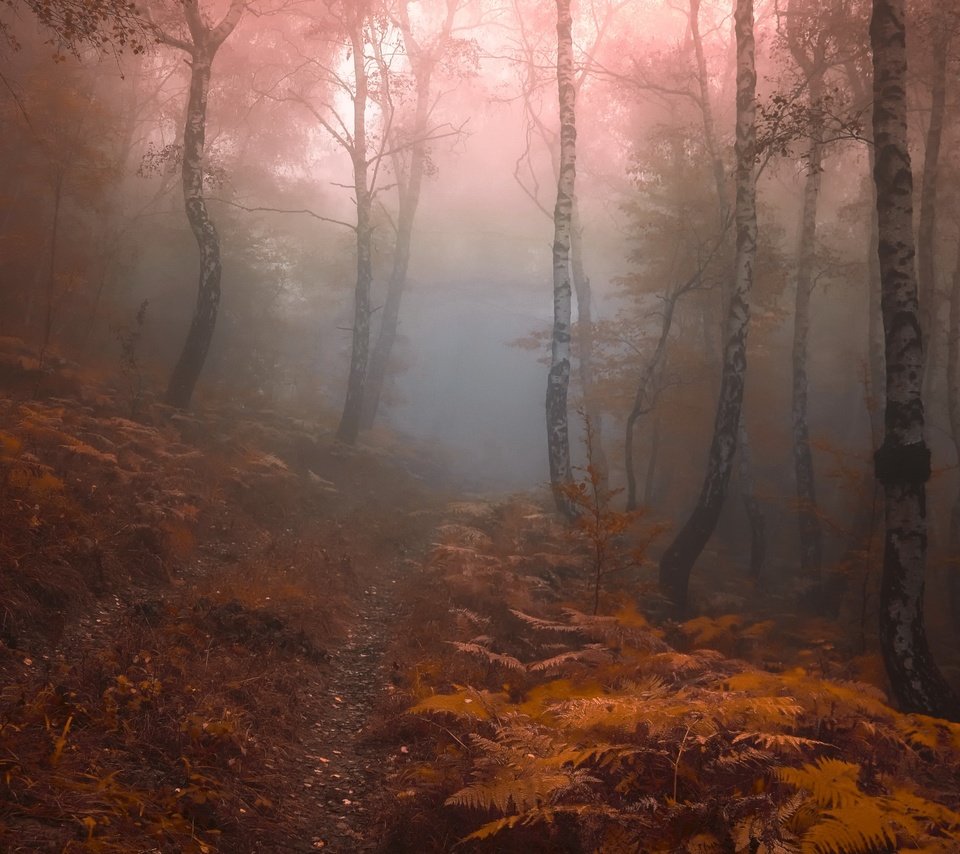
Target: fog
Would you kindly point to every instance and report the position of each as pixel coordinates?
(466, 376)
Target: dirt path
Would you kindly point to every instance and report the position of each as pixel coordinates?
(344, 769)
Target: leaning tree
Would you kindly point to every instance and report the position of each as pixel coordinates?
(678, 560)
(201, 43)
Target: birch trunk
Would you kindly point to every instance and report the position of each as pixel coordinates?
(206, 40)
(903, 461)
(751, 504)
(194, 354)
(349, 427)
(679, 558)
(558, 380)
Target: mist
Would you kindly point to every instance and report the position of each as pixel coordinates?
(644, 312)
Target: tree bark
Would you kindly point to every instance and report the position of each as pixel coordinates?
(349, 427)
(903, 461)
(953, 412)
(423, 60)
(751, 503)
(558, 380)
(679, 558)
(811, 535)
(926, 232)
(406, 214)
(206, 40)
(192, 357)
(584, 292)
(643, 399)
(706, 111)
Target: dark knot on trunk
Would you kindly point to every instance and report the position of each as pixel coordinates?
(902, 464)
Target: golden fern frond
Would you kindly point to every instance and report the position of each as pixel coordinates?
(591, 654)
(832, 782)
(510, 794)
(546, 625)
(543, 698)
(705, 630)
(466, 703)
(683, 664)
(903, 801)
(933, 733)
(489, 656)
(492, 828)
(780, 741)
(472, 617)
(744, 756)
(859, 827)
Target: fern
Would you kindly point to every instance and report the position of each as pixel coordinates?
(861, 827)
(499, 659)
(832, 782)
(466, 703)
(546, 625)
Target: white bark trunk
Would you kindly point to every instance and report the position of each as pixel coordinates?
(679, 558)
(903, 461)
(558, 380)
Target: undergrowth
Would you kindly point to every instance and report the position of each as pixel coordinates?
(541, 727)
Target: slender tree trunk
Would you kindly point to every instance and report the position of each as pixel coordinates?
(409, 202)
(643, 399)
(751, 503)
(926, 234)
(706, 111)
(953, 411)
(581, 285)
(903, 461)
(649, 483)
(876, 355)
(349, 427)
(558, 437)
(811, 535)
(194, 353)
(679, 558)
(52, 267)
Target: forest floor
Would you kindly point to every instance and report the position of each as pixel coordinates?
(224, 632)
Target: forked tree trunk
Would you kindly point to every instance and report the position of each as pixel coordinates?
(558, 380)
(349, 427)
(194, 353)
(903, 461)
(811, 534)
(422, 60)
(406, 214)
(679, 558)
(206, 41)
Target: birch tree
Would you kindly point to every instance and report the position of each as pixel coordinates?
(558, 380)
(678, 560)
(410, 158)
(903, 460)
(201, 47)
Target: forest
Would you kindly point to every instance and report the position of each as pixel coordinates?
(480, 425)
